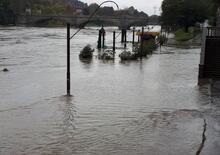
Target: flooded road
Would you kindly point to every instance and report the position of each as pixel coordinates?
(152, 107)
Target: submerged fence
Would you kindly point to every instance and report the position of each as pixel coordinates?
(213, 31)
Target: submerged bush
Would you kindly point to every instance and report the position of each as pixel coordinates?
(148, 47)
(107, 55)
(182, 35)
(86, 52)
(127, 55)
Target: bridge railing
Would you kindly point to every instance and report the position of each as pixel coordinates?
(84, 16)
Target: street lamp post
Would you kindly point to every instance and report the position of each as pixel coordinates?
(68, 44)
(68, 61)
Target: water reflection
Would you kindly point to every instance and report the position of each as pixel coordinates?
(86, 61)
(69, 112)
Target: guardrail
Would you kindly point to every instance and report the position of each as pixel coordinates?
(213, 32)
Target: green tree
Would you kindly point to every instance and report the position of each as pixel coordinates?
(185, 13)
(4, 4)
(6, 14)
(217, 2)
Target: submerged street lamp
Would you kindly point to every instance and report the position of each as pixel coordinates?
(70, 37)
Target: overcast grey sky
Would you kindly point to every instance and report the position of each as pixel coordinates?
(148, 6)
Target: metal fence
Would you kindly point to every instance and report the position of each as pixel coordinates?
(213, 32)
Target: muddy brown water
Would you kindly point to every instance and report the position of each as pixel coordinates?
(153, 106)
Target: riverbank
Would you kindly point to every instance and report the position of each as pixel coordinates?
(190, 39)
(195, 42)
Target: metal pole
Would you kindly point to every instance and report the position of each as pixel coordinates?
(133, 35)
(122, 35)
(100, 40)
(114, 41)
(142, 41)
(125, 39)
(70, 37)
(68, 59)
(103, 40)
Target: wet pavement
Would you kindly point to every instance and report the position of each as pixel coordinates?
(153, 106)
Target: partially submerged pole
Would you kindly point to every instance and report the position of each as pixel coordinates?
(138, 36)
(103, 39)
(100, 40)
(122, 35)
(133, 38)
(113, 42)
(125, 38)
(68, 60)
(142, 41)
(70, 37)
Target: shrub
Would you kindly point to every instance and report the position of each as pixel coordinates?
(181, 35)
(148, 47)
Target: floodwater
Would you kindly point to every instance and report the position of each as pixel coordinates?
(149, 107)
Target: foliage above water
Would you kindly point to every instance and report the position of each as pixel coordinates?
(148, 47)
(181, 35)
(186, 13)
(53, 9)
(6, 14)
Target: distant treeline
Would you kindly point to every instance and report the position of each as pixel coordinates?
(109, 11)
(187, 13)
(7, 15)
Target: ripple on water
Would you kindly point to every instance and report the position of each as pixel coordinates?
(151, 106)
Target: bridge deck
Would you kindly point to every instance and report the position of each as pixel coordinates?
(79, 21)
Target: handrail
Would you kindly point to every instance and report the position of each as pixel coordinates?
(82, 16)
(213, 31)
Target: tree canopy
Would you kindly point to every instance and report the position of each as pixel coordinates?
(217, 2)
(185, 13)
